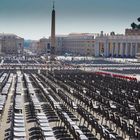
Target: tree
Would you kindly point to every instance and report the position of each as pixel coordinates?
(134, 25)
(138, 19)
(138, 26)
(112, 33)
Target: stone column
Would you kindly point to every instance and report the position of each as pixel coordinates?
(137, 48)
(97, 48)
(112, 49)
(106, 49)
(126, 49)
(121, 49)
(131, 49)
(116, 48)
(109, 48)
(134, 49)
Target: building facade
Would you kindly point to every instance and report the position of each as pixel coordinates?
(76, 44)
(33, 46)
(73, 44)
(59, 44)
(117, 45)
(42, 47)
(132, 32)
(11, 44)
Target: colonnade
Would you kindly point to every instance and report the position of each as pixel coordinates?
(117, 49)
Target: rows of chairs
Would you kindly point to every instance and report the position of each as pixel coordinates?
(17, 123)
(98, 89)
(90, 119)
(44, 116)
(61, 107)
(5, 84)
(71, 118)
(71, 125)
(59, 131)
(104, 131)
(104, 104)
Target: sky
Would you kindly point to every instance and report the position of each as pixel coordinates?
(31, 19)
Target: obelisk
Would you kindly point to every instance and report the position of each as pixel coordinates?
(53, 45)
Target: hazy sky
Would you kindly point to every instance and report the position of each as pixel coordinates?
(31, 19)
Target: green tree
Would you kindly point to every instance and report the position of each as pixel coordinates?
(134, 25)
(138, 26)
(138, 19)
